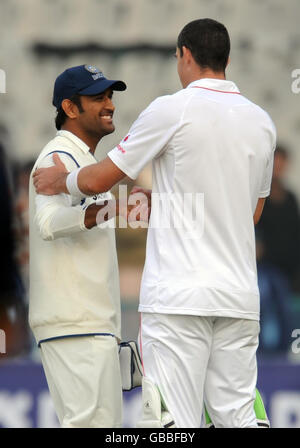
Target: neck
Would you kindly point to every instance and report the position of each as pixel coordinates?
(89, 140)
(201, 74)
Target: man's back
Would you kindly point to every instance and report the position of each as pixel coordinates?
(218, 159)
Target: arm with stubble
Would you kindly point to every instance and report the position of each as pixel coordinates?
(99, 177)
(95, 178)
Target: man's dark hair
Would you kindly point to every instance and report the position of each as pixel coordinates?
(61, 115)
(208, 41)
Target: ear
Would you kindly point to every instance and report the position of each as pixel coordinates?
(228, 62)
(187, 55)
(70, 109)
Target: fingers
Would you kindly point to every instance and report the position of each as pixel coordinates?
(36, 172)
(144, 191)
(136, 189)
(46, 180)
(138, 212)
(36, 176)
(38, 183)
(57, 161)
(36, 180)
(40, 189)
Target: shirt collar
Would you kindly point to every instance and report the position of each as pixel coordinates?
(219, 85)
(74, 139)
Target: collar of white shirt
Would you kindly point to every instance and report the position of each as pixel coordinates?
(219, 85)
(74, 139)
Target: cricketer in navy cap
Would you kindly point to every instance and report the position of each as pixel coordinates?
(82, 79)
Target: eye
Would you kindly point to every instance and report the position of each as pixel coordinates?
(99, 97)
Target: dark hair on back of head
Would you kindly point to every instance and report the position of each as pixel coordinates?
(208, 41)
(61, 115)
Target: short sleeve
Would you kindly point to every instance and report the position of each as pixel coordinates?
(147, 138)
(267, 180)
(268, 173)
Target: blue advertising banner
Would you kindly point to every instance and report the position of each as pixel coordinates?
(279, 384)
(25, 401)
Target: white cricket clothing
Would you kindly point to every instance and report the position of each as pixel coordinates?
(196, 359)
(84, 379)
(74, 277)
(207, 142)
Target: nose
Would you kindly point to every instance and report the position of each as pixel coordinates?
(109, 104)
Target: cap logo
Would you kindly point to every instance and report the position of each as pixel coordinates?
(92, 69)
(96, 73)
(97, 76)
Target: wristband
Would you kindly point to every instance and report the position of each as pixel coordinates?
(71, 184)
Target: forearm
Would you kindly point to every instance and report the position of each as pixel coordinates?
(57, 222)
(99, 177)
(86, 181)
(108, 210)
(89, 181)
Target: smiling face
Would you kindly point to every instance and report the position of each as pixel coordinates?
(95, 116)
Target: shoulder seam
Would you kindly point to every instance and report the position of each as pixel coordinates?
(64, 152)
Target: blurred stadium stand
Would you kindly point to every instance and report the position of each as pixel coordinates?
(134, 41)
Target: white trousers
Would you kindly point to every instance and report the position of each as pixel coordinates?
(196, 359)
(84, 380)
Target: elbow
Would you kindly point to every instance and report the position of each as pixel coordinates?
(94, 186)
(96, 181)
(99, 177)
(44, 230)
(91, 187)
(45, 234)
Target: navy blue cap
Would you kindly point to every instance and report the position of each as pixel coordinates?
(82, 79)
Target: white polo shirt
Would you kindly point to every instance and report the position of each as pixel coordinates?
(210, 148)
(74, 278)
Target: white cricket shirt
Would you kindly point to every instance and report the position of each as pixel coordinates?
(213, 145)
(74, 278)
